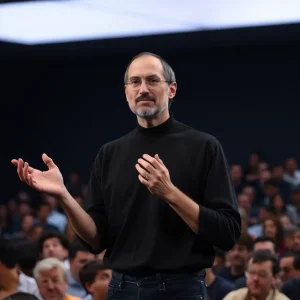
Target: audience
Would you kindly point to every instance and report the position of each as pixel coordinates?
(36, 236)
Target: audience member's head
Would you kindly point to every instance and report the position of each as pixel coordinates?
(27, 222)
(250, 191)
(277, 171)
(78, 256)
(271, 187)
(264, 243)
(21, 296)
(8, 263)
(44, 211)
(289, 266)
(291, 165)
(285, 221)
(263, 269)
(272, 228)
(54, 244)
(239, 254)
(52, 279)
(292, 238)
(28, 255)
(95, 277)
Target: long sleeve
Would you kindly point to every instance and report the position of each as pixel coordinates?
(94, 204)
(219, 219)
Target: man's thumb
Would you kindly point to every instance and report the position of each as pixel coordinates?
(48, 161)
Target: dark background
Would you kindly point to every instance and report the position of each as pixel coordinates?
(241, 86)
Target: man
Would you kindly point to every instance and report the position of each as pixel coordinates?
(95, 278)
(238, 257)
(52, 279)
(54, 244)
(261, 280)
(161, 196)
(78, 256)
(11, 279)
(261, 243)
(289, 266)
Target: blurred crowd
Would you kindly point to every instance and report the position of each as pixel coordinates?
(41, 256)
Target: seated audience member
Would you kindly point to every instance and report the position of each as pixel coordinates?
(261, 243)
(11, 279)
(55, 217)
(272, 228)
(295, 200)
(78, 256)
(43, 213)
(291, 288)
(238, 257)
(263, 214)
(52, 279)
(292, 239)
(54, 244)
(262, 272)
(95, 277)
(285, 221)
(28, 255)
(217, 287)
(27, 221)
(284, 187)
(278, 208)
(21, 296)
(289, 266)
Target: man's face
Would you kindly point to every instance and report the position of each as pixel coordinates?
(287, 269)
(266, 245)
(238, 255)
(270, 229)
(244, 201)
(147, 100)
(270, 190)
(236, 172)
(53, 248)
(264, 176)
(260, 278)
(44, 212)
(80, 259)
(27, 223)
(278, 172)
(52, 285)
(100, 286)
(292, 241)
(291, 165)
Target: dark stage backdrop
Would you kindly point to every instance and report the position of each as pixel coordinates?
(241, 86)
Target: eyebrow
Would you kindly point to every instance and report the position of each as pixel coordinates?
(138, 77)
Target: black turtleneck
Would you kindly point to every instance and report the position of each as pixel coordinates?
(143, 234)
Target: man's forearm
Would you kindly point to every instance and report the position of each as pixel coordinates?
(81, 222)
(185, 207)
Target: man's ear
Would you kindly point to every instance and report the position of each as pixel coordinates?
(89, 287)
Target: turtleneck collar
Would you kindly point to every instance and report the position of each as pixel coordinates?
(157, 130)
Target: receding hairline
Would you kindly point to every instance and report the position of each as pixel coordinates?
(163, 63)
(142, 56)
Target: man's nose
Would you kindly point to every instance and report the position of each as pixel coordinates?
(144, 88)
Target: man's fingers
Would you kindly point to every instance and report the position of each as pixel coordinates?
(158, 159)
(20, 169)
(142, 172)
(25, 172)
(152, 161)
(146, 165)
(14, 162)
(48, 161)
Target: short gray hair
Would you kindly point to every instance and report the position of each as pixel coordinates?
(168, 72)
(48, 264)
